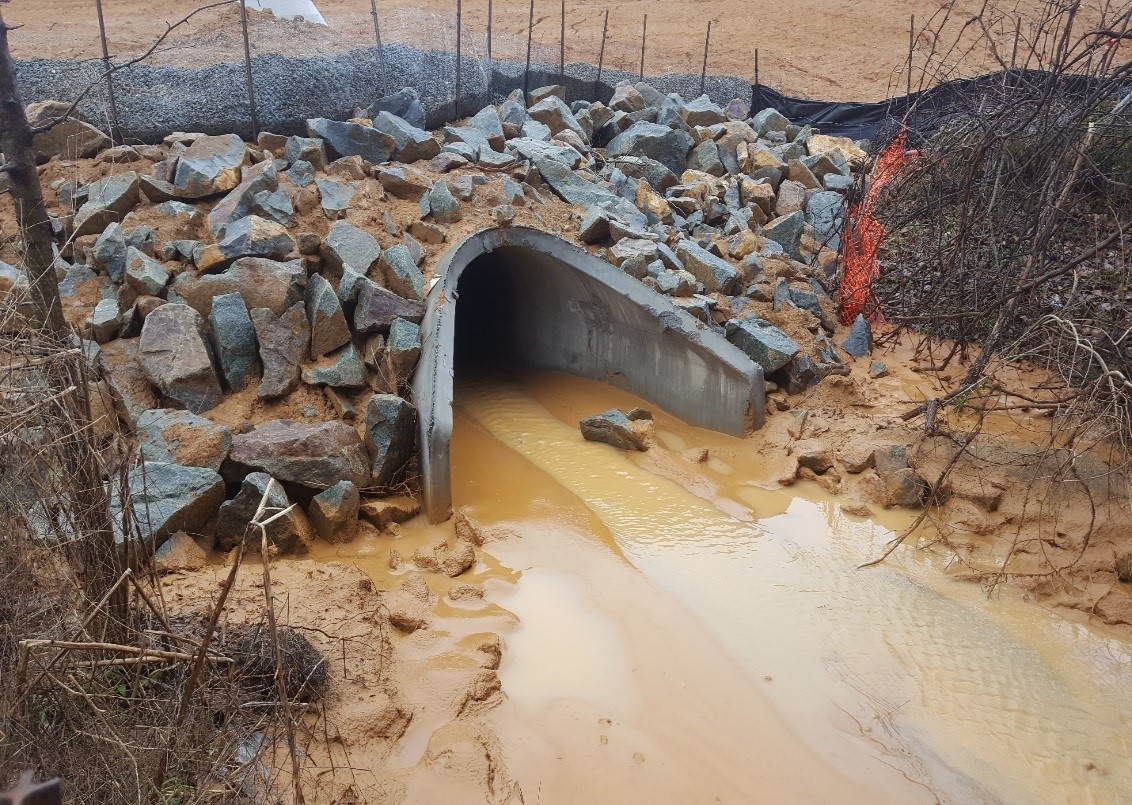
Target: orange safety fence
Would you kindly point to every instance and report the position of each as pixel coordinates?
(864, 236)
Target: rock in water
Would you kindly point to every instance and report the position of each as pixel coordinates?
(175, 355)
(313, 455)
(334, 512)
(391, 435)
(615, 428)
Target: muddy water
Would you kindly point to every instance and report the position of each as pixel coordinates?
(687, 634)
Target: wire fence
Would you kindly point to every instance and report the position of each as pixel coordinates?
(228, 66)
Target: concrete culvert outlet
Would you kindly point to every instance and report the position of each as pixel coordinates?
(519, 297)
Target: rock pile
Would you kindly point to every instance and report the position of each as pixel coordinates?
(253, 310)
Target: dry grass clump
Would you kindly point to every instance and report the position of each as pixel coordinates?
(98, 686)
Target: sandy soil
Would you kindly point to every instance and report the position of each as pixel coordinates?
(829, 49)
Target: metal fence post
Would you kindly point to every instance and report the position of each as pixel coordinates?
(527, 69)
(601, 54)
(644, 33)
(911, 46)
(490, 69)
(562, 47)
(115, 133)
(459, 53)
(703, 71)
(248, 68)
(754, 86)
(380, 48)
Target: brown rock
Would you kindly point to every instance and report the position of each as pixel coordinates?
(175, 354)
(314, 455)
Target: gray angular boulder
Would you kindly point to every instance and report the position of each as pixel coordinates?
(261, 282)
(825, 212)
(377, 308)
(108, 201)
(166, 498)
(786, 231)
(290, 534)
(702, 111)
(487, 121)
(109, 252)
(352, 139)
(311, 150)
(769, 120)
(72, 138)
(335, 197)
(572, 188)
(443, 205)
(314, 455)
(327, 321)
(411, 143)
(172, 436)
(405, 183)
(343, 369)
(403, 348)
(175, 355)
(859, 343)
(347, 245)
(553, 113)
(241, 201)
(400, 272)
(233, 340)
(283, 343)
(391, 437)
(144, 274)
(209, 166)
(404, 103)
(715, 273)
(334, 512)
(764, 343)
(667, 146)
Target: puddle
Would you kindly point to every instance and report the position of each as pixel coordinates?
(977, 699)
(683, 632)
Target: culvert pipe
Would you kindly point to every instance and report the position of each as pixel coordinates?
(527, 298)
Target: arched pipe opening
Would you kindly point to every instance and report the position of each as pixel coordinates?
(526, 298)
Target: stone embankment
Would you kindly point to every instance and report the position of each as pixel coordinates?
(252, 311)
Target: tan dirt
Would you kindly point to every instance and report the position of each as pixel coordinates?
(829, 49)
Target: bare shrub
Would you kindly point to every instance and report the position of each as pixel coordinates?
(1008, 237)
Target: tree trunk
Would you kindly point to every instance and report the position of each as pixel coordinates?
(31, 214)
